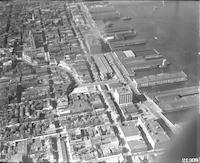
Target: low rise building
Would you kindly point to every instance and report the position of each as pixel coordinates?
(133, 137)
(103, 66)
(154, 132)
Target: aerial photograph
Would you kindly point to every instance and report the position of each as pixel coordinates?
(99, 81)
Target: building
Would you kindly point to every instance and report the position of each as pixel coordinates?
(103, 66)
(34, 56)
(119, 29)
(162, 78)
(133, 137)
(123, 95)
(177, 99)
(155, 134)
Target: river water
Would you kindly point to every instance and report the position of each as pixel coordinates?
(172, 28)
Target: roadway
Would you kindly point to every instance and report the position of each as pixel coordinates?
(99, 83)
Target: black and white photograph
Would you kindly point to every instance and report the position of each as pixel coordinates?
(99, 81)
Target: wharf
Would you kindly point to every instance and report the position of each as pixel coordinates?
(163, 78)
(123, 43)
(170, 94)
(181, 103)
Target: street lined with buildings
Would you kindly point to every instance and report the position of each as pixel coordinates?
(71, 91)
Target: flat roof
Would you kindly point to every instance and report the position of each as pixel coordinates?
(118, 29)
(137, 146)
(115, 85)
(129, 109)
(160, 77)
(128, 42)
(175, 92)
(156, 131)
(130, 129)
(145, 52)
(185, 102)
(102, 64)
(123, 90)
(145, 64)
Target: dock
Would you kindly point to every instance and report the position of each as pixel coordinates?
(162, 78)
(123, 43)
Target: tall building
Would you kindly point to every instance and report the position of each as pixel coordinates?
(123, 95)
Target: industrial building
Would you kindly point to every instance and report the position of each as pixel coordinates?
(118, 29)
(162, 78)
(125, 35)
(145, 52)
(121, 43)
(178, 99)
(145, 64)
(101, 9)
(103, 66)
(131, 63)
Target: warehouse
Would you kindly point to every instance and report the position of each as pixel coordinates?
(162, 78)
(112, 30)
(122, 43)
(103, 66)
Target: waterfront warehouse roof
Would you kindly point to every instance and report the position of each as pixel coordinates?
(181, 103)
(145, 52)
(118, 29)
(161, 77)
(145, 64)
(122, 43)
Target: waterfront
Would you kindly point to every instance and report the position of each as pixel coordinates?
(79, 103)
(172, 29)
(176, 27)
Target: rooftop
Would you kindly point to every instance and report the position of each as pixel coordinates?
(123, 90)
(161, 76)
